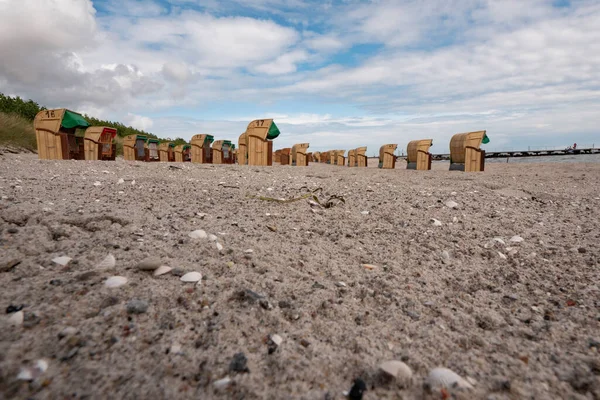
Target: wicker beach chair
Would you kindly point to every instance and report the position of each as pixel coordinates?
(418, 156)
(201, 151)
(298, 155)
(361, 157)
(59, 134)
(99, 143)
(465, 154)
(261, 133)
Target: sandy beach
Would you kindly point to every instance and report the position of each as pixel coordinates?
(493, 275)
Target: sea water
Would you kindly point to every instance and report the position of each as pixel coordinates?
(567, 158)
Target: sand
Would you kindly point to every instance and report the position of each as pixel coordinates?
(515, 319)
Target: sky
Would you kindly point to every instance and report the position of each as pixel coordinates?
(337, 74)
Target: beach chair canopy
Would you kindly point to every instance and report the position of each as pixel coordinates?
(415, 146)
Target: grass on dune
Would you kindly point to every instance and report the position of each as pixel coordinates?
(16, 131)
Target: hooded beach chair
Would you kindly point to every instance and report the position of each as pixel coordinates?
(220, 150)
(261, 133)
(339, 157)
(166, 152)
(277, 156)
(183, 153)
(242, 153)
(152, 150)
(309, 158)
(232, 154)
(361, 157)
(387, 158)
(201, 151)
(134, 148)
(298, 155)
(56, 134)
(98, 143)
(316, 156)
(285, 156)
(465, 154)
(418, 156)
(352, 158)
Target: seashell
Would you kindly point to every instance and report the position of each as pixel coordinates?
(455, 220)
(340, 284)
(364, 212)
(109, 262)
(133, 182)
(435, 222)
(149, 264)
(219, 246)
(276, 339)
(163, 269)
(115, 281)
(222, 383)
(397, 369)
(192, 277)
(33, 372)
(63, 260)
(17, 318)
(446, 378)
(369, 266)
(249, 251)
(120, 181)
(516, 239)
(97, 183)
(198, 234)
(212, 238)
(451, 204)
(502, 256)
(499, 240)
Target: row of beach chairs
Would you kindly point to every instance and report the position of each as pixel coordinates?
(63, 134)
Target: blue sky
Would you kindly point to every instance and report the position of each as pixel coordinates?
(336, 74)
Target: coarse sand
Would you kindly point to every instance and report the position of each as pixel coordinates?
(503, 290)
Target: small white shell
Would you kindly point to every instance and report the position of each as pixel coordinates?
(63, 260)
(109, 262)
(212, 238)
(451, 204)
(364, 212)
(97, 183)
(163, 269)
(219, 246)
(149, 264)
(222, 383)
(198, 234)
(248, 251)
(120, 181)
(499, 240)
(516, 239)
(191, 277)
(444, 377)
(369, 266)
(277, 339)
(115, 281)
(16, 319)
(502, 256)
(397, 369)
(435, 222)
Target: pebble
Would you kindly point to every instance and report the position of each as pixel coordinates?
(68, 331)
(33, 372)
(340, 284)
(137, 306)
(219, 246)
(435, 222)
(198, 234)
(358, 389)
(364, 212)
(222, 383)
(502, 256)
(13, 230)
(276, 339)
(451, 204)
(191, 277)
(445, 255)
(369, 266)
(455, 220)
(239, 363)
(97, 183)
(516, 239)
(212, 238)
(175, 348)
(398, 370)
(163, 269)
(120, 181)
(446, 378)
(582, 250)
(115, 281)
(149, 264)
(109, 262)
(62, 261)
(17, 318)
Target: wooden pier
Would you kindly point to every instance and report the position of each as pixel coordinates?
(530, 153)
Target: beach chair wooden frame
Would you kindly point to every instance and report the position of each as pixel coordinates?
(201, 148)
(316, 156)
(465, 152)
(352, 158)
(98, 143)
(361, 157)
(417, 154)
(242, 154)
(309, 158)
(387, 158)
(166, 152)
(298, 156)
(261, 133)
(134, 147)
(220, 151)
(55, 133)
(277, 156)
(285, 156)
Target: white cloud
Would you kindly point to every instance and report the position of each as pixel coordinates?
(139, 121)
